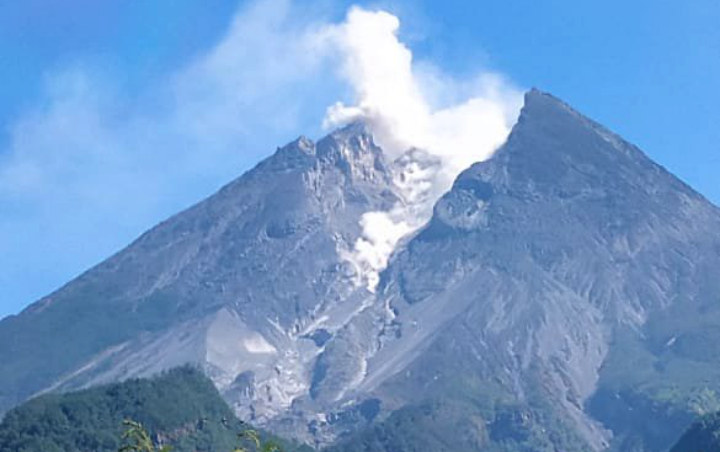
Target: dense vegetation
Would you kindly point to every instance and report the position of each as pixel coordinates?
(450, 426)
(702, 436)
(674, 377)
(181, 408)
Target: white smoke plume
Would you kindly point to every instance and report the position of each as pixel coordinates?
(431, 144)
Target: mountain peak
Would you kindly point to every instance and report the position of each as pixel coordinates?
(570, 254)
(353, 150)
(554, 154)
(354, 129)
(543, 105)
(555, 148)
(535, 96)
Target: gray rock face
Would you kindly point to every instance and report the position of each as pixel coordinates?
(558, 285)
(235, 284)
(537, 259)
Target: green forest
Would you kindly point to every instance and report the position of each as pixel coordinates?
(182, 411)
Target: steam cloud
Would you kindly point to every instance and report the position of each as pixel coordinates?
(431, 145)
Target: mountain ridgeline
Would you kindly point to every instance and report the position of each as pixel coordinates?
(563, 297)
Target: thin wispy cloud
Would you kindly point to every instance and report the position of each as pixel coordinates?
(90, 167)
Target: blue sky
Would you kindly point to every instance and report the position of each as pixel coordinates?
(115, 114)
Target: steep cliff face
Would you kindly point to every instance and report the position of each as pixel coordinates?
(559, 289)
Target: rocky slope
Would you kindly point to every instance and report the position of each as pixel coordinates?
(561, 297)
(567, 278)
(235, 283)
